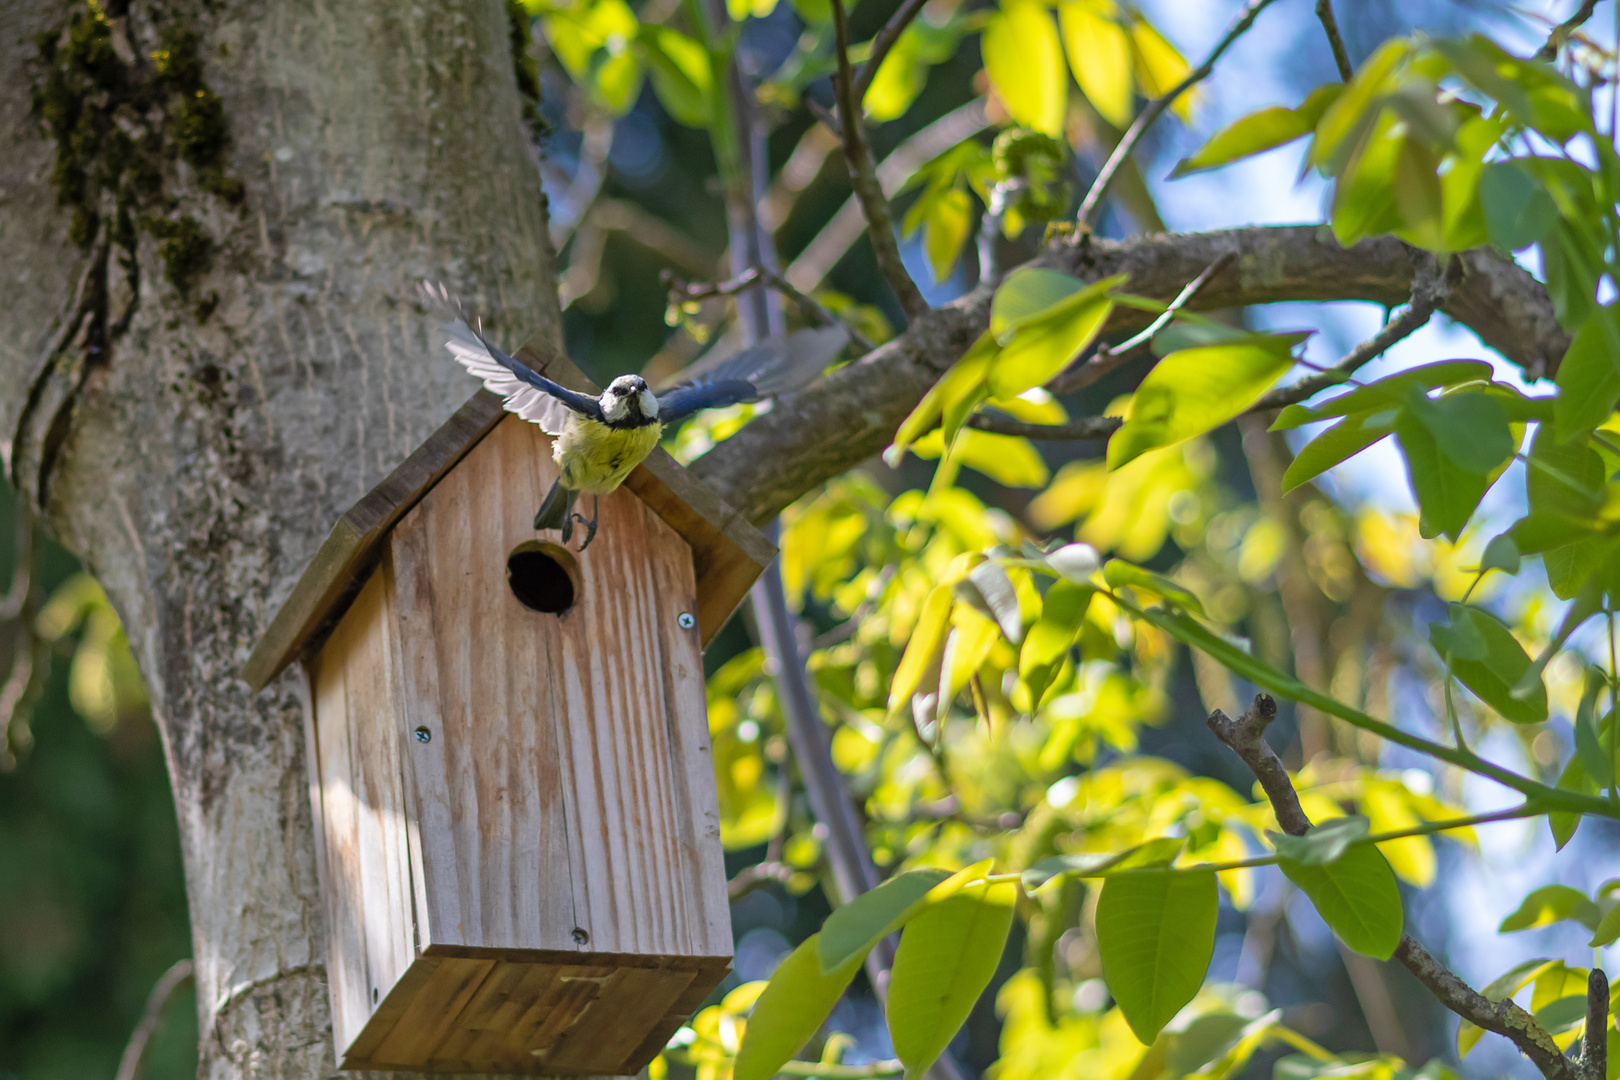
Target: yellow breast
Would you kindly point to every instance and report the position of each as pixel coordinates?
(595, 458)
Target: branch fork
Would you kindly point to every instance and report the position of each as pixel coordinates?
(1245, 736)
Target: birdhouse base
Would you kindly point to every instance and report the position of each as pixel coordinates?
(553, 1013)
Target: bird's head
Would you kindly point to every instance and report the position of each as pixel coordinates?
(627, 398)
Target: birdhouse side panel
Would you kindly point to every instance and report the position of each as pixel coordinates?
(356, 702)
(480, 701)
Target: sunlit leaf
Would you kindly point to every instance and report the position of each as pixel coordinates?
(682, 76)
(945, 230)
(1156, 934)
(1024, 59)
(1324, 843)
(1356, 896)
(1118, 573)
(1100, 56)
(927, 639)
(795, 1004)
(1193, 391)
(1159, 67)
(1589, 375)
(1607, 930)
(1550, 904)
(967, 647)
(1045, 344)
(1344, 440)
(948, 952)
(1266, 129)
(851, 931)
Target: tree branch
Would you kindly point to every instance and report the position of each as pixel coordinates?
(1092, 205)
(759, 275)
(883, 41)
(1246, 737)
(1565, 30)
(1324, 12)
(1595, 1048)
(1108, 357)
(129, 1066)
(863, 177)
(851, 415)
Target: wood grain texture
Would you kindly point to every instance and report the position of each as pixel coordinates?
(370, 936)
(727, 552)
(567, 790)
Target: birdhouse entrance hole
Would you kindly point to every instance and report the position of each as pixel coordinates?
(544, 577)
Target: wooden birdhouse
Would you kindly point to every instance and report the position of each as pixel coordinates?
(509, 756)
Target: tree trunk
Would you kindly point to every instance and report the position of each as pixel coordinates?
(211, 353)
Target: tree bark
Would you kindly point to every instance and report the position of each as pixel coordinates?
(197, 459)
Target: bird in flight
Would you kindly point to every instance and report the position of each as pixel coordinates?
(599, 440)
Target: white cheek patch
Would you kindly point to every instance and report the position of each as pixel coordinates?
(615, 408)
(649, 404)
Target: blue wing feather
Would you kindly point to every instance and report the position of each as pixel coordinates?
(776, 366)
(583, 404)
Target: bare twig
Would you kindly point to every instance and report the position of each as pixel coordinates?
(818, 258)
(1595, 1045)
(863, 177)
(1430, 287)
(1565, 30)
(129, 1067)
(1107, 358)
(1092, 205)
(1324, 11)
(1086, 427)
(753, 877)
(573, 204)
(758, 275)
(883, 41)
(1246, 737)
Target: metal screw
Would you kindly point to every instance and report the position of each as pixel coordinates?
(580, 936)
(685, 620)
(423, 735)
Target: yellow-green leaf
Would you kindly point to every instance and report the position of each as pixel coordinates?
(927, 638)
(1195, 390)
(1024, 59)
(851, 931)
(1100, 56)
(972, 637)
(948, 952)
(1156, 934)
(1159, 66)
(1009, 460)
(945, 230)
(1047, 343)
(1356, 896)
(956, 392)
(795, 1004)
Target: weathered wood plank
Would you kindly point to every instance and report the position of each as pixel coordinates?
(632, 1001)
(432, 1014)
(325, 588)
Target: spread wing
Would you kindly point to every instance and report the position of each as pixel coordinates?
(776, 366)
(529, 394)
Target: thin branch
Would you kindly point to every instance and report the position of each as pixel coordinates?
(129, 1067)
(1092, 206)
(1087, 427)
(1565, 30)
(863, 177)
(1595, 1044)
(1107, 357)
(1324, 11)
(1429, 290)
(873, 1071)
(884, 41)
(759, 275)
(1246, 737)
(760, 874)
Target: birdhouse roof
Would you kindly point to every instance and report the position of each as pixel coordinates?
(728, 553)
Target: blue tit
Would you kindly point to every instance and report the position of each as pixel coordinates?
(599, 440)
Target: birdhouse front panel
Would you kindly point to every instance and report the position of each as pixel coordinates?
(523, 864)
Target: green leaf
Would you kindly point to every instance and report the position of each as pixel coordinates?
(1024, 59)
(1196, 390)
(945, 230)
(988, 588)
(1518, 210)
(792, 1009)
(1461, 640)
(1063, 611)
(1470, 428)
(1550, 904)
(1084, 864)
(1356, 896)
(851, 931)
(1388, 392)
(1100, 56)
(1446, 493)
(1607, 930)
(1028, 292)
(1259, 131)
(1156, 934)
(1494, 677)
(1564, 477)
(1118, 573)
(948, 952)
(1589, 748)
(1563, 823)
(1323, 844)
(1589, 375)
(1337, 444)
(1417, 194)
(1562, 1013)
(1009, 460)
(1045, 344)
(1501, 554)
(681, 73)
(922, 649)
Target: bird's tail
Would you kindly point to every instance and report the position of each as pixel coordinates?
(558, 509)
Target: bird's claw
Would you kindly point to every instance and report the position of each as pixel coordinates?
(590, 530)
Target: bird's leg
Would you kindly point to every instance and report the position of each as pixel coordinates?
(590, 526)
(568, 526)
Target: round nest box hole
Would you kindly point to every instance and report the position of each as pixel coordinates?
(544, 577)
